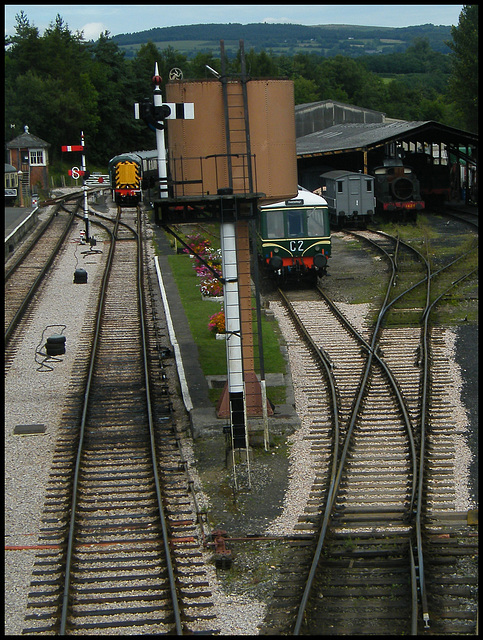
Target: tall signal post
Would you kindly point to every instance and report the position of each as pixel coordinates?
(76, 173)
(160, 141)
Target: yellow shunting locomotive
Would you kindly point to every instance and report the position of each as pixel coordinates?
(132, 173)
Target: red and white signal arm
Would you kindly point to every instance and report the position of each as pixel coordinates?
(73, 147)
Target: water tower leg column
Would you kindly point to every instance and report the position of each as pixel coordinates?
(234, 357)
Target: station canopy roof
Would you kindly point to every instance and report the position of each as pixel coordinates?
(359, 136)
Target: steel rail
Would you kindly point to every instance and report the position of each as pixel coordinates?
(75, 483)
(21, 310)
(424, 403)
(100, 307)
(336, 482)
(68, 196)
(327, 364)
(36, 237)
(417, 476)
(334, 476)
(417, 473)
(167, 550)
(392, 379)
(425, 365)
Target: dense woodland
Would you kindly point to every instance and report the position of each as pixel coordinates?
(58, 84)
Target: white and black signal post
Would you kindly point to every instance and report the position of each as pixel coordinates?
(160, 142)
(84, 187)
(154, 116)
(75, 173)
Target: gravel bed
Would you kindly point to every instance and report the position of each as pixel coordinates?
(36, 397)
(35, 391)
(460, 420)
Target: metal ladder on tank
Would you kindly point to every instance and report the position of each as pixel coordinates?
(237, 128)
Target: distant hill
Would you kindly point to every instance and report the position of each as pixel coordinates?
(326, 40)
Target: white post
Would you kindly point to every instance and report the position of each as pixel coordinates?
(234, 355)
(84, 169)
(160, 142)
(232, 308)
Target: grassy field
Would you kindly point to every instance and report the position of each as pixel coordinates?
(198, 311)
(460, 303)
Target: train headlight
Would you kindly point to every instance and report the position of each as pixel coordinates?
(276, 263)
(320, 261)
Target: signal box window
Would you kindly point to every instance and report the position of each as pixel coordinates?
(37, 157)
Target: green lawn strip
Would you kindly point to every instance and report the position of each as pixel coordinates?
(212, 352)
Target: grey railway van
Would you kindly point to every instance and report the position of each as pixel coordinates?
(350, 197)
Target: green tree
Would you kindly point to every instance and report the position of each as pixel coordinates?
(305, 91)
(463, 84)
(260, 65)
(345, 73)
(48, 83)
(433, 110)
(113, 79)
(197, 66)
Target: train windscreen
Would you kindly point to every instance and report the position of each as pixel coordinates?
(295, 223)
(317, 223)
(275, 224)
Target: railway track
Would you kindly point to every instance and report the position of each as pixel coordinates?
(120, 526)
(23, 276)
(377, 530)
(449, 540)
(463, 215)
(369, 538)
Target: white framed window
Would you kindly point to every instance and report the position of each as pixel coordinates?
(37, 157)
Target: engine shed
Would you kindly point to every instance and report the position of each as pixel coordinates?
(362, 145)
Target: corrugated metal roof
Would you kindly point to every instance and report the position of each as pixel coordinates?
(340, 173)
(352, 136)
(365, 136)
(314, 106)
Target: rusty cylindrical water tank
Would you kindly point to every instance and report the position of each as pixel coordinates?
(197, 148)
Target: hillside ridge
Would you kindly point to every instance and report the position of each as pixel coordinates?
(328, 40)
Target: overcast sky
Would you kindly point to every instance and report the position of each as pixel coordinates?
(93, 19)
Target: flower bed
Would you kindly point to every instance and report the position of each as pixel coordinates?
(217, 322)
(210, 286)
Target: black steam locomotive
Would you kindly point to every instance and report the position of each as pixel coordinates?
(397, 189)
